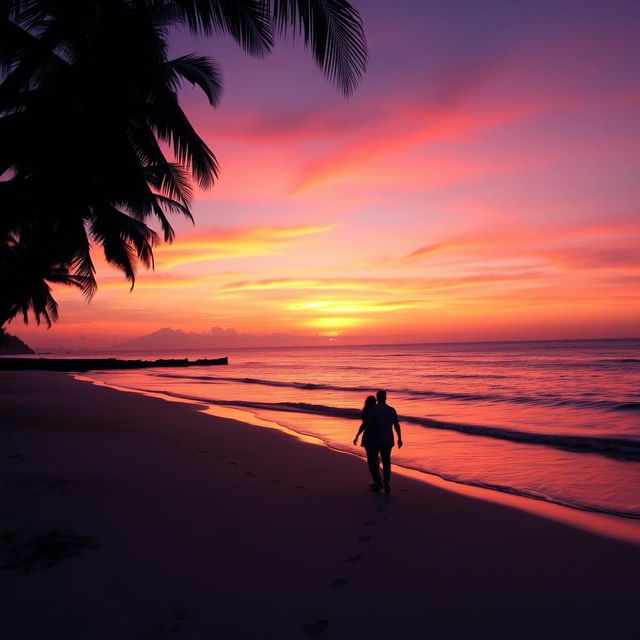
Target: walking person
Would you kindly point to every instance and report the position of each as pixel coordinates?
(368, 404)
(378, 424)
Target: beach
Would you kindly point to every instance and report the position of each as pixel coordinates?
(126, 516)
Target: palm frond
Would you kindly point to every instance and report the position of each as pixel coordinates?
(162, 204)
(247, 21)
(198, 70)
(173, 126)
(26, 55)
(125, 241)
(174, 181)
(80, 262)
(333, 29)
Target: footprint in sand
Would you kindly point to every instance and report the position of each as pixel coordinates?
(24, 552)
(338, 583)
(170, 629)
(315, 629)
(364, 538)
(370, 523)
(301, 487)
(353, 557)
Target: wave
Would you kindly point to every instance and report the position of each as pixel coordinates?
(619, 448)
(484, 376)
(629, 406)
(270, 383)
(545, 401)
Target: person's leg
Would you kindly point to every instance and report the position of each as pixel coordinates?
(385, 454)
(374, 465)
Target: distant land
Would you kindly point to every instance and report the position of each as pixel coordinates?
(166, 338)
(13, 346)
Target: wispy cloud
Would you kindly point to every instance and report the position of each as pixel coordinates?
(225, 243)
(405, 127)
(600, 244)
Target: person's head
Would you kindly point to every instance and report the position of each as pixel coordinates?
(369, 402)
(382, 396)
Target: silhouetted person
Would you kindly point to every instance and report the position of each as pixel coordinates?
(368, 404)
(378, 424)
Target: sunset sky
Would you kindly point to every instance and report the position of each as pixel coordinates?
(483, 183)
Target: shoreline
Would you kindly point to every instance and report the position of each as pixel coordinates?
(206, 527)
(626, 529)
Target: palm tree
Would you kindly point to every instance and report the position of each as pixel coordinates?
(83, 120)
(82, 138)
(28, 264)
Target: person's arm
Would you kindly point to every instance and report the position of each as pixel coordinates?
(360, 430)
(396, 426)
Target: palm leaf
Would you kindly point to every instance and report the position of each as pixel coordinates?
(247, 21)
(334, 31)
(173, 126)
(199, 70)
(123, 239)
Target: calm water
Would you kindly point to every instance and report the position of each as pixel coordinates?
(558, 421)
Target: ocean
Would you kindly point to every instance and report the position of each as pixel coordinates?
(557, 421)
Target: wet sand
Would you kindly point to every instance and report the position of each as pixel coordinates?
(126, 516)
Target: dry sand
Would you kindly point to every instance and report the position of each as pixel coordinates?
(125, 516)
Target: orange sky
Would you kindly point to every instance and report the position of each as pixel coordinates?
(482, 184)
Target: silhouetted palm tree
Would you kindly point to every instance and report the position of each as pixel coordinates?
(87, 100)
(28, 263)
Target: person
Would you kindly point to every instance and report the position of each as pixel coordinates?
(368, 404)
(379, 422)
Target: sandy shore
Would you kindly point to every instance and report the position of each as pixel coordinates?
(125, 516)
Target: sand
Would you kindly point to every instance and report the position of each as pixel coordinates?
(125, 516)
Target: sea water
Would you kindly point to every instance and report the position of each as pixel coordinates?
(557, 421)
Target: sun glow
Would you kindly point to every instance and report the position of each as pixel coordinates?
(333, 326)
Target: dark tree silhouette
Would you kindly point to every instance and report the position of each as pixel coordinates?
(27, 267)
(87, 100)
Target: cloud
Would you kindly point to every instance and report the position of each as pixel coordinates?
(404, 127)
(150, 280)
(600, 244)
(286, 126)
(383, 286)
(224, 243)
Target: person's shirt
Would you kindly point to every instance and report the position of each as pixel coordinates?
(380, 421)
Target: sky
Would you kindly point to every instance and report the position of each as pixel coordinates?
(481, 184)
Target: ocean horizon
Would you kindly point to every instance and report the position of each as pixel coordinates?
(116, 351)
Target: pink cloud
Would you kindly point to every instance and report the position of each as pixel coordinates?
(223, 243)
(406, 127)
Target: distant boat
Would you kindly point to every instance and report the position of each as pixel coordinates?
(88, 364)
